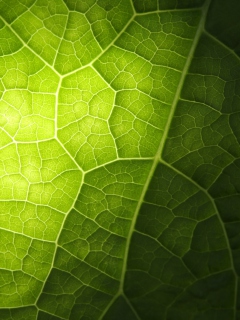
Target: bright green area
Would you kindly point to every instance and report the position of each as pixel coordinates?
(40, 173)
(85, 104)
(119, 160)
(36, 221)
(27, 105)
(63, 38)
(42, 27)
(143, 67)
(25, 263)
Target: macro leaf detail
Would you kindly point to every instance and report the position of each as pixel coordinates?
(119, 159)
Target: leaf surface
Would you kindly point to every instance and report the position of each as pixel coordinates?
(119, 159)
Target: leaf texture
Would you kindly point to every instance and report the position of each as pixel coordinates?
(119, 159)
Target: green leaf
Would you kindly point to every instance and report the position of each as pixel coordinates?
(119, 159)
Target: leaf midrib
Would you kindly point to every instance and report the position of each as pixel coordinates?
(158, 156)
